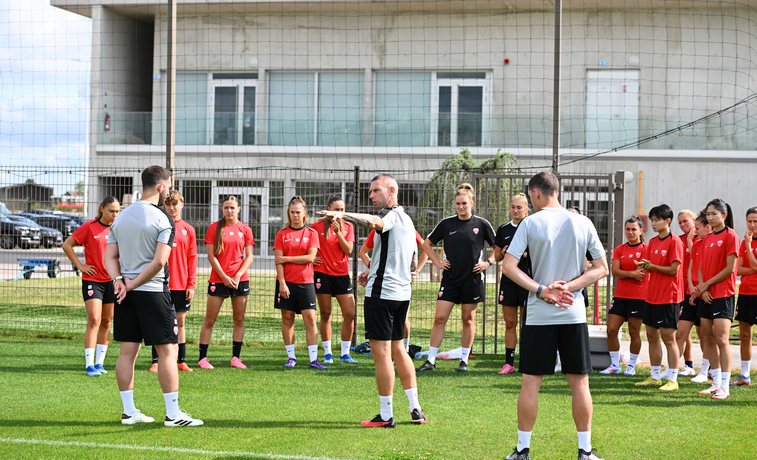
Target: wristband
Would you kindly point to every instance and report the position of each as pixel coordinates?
(538, 291)
(118, 278)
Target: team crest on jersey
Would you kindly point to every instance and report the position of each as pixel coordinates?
(475, 230)
(212, 288)
(240, 234)
(305, 239)
(664, 252)
(638, 255)
(184, 231)
(90, 293)
(720, 243)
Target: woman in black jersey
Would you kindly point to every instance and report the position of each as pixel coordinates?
(463, 272)
(511, 296)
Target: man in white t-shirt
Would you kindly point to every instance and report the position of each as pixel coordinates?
(559, 242)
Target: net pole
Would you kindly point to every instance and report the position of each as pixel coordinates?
(171, 83)
(556, 91)
(355, 249)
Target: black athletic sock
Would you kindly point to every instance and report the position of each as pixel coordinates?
(237, 349)
(182, 352)
(510, 356)
(689, 363)
(203, 351)
(154, 355)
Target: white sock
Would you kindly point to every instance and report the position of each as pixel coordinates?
(705, 366)
(172, 404)
(326, 347)
(724, 377)
(127, 398)
(632, 360)
(524, 440)
(716, 376)
(745, 368)
(656, 372)
(387, 409)
(673, 375)
(406, 342)
(101, 350)
(89, 357)
(313, 352)
(412, 398)
(345, 347)
(290, 350)
(466, 354)
(432, 352)
(558, 358)
(584, 440)
(615, 358)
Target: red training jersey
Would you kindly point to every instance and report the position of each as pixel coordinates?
(369, 241)
(629, 288)
(715, 249)
(295, 243)
(685, 264)
(661, 288)
(235, 238)
(748, 282)
(182, 262)
(93, 235)
(334, 261)
(696, 259)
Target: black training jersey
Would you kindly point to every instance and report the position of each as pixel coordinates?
(505, 235)
(463, 243)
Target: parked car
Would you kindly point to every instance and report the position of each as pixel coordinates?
(49, 237)
(79, 219)
(62, 224)
(14, 234)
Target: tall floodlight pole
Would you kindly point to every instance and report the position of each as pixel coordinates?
(556, 103)
(171, 100)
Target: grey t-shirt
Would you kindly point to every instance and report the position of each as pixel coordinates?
(393, 248)
(559, 242)
(137, 231)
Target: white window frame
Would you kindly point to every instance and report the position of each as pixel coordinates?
(240, 84)
(456, 83)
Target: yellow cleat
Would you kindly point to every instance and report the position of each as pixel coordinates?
(670, 386)
(649, 382)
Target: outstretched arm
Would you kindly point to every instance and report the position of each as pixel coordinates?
(361, 220)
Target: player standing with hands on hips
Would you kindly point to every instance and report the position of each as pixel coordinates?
(559, 242)
(137, 259)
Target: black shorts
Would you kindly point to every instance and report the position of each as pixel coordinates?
(95, 290)
(512, 295)
(180, 302)
(385, 319)
(334, 285)
(721, 308)
(146, 315)
(627, 308)
(467, 294)
(301, 297)
(539, 345)
(688, 312)
(220, 290)
(747, 311)
(661, 315)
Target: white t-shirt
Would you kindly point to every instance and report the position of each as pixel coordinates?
(393, 248)
(558, 242)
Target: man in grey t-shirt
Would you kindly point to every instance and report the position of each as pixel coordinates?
(136, 258)
(559, 243)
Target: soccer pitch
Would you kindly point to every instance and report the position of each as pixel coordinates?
(52, 410)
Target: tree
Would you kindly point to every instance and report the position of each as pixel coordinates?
(30, 181)
(80, 187)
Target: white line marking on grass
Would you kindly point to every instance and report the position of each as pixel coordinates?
(179, 450)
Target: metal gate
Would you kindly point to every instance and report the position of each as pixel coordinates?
(598, 196)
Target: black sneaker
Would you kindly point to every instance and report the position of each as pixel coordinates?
(592, 455)
(463, 367)
(418, 417)
(377, 421)
(522, 455)
(427, 366)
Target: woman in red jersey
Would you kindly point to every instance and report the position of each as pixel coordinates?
(229, 244)
(332, 279)
(702, 229)
(746, 313)
(717, 288)
(182, 270)
(97, 287)
(687, 311)
(628, 300)
(295, 248)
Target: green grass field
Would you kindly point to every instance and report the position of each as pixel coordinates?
(271, 412)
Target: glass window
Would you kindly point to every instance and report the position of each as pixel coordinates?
(291, 108)
(402, 109)
(191, 108)
(340, 108)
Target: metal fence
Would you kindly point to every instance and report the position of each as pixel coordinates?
(40, 289)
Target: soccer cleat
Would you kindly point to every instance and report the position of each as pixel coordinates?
(687, 371)
(669, 386)
(611, 370)
(204, 364)
(630, 370)
(377, 421)
(427, 366)
(153, 368)
(184, 368)
(700, 378)
(741, 381)
(291, 363)
(182, 420)
(347, 359)
(721, 393)
(649, 382)
(418, 417)
(463, 367)
(139, 417)
(316, 365)
(710, 391)
(100, 368)
(328, 359)
(591, 455)
(506, 369)
(522, 455)
(236, 362)
(92, 371)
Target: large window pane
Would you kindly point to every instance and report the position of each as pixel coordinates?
(403, 105)
(225, 116)
(469, 115)
(191, 108)
(340, 108)
(291, 108)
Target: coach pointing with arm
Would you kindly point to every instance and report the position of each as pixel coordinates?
(559, 241)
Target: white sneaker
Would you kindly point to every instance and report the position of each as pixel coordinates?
(611, 370)
(182, 420)
(139, 417)
(700, 378)
(687, 371)
(630, 370)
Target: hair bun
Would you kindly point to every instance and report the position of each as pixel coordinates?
(465, 186)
